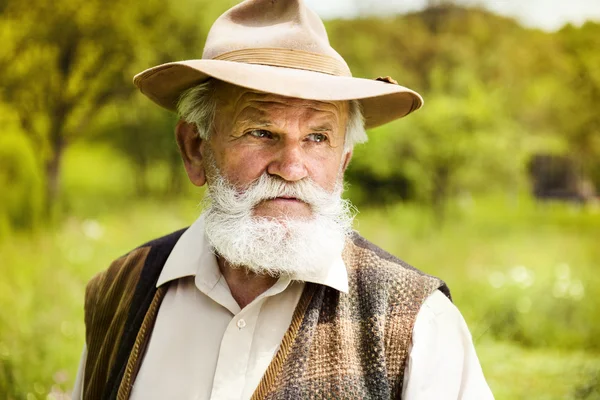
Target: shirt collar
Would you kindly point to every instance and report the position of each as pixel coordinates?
(193, 256)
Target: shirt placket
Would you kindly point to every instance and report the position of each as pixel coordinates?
(234, 353)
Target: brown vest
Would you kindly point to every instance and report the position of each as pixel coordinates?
(343, 346)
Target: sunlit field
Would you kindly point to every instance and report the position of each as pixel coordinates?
(525, 278)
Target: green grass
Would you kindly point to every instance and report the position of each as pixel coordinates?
(517, 373)
(42, 289)
(517, 270)
(534, 320)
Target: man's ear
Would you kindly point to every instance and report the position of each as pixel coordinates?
(346, 160)
(190, 143)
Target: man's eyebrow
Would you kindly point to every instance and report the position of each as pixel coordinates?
(262, 123)
(321, 128)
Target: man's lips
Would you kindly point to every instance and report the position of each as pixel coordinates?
(284, 199)
(283, 205)
(287, 198)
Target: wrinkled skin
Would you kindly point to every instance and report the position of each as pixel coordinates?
(255, 132)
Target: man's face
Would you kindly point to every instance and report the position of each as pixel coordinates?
(265, 153)
(292, 139)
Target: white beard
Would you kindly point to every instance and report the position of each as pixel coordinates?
(276, 246)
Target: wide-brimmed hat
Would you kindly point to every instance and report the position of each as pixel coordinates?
(279, 47)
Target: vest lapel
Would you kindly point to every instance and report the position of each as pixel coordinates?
(139, 346)
(146, 295)
(269, 378)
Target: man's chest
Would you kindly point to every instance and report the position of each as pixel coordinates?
(203, 346)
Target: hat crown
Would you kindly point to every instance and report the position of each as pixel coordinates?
(269, 24)
(279, 47)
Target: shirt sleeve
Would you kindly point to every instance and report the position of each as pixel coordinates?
(78, 388)
(442, 362)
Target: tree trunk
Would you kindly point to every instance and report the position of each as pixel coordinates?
(53, 182)
(53, 164)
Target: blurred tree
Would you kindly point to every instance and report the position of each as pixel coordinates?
(21, 200)
(63, 62)
(579, 116)
(439, 151)
(139, 129)
(66, 68)
(490, 89)
(143, 134)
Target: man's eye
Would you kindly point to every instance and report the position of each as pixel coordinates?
(260, 133)
(317, 137)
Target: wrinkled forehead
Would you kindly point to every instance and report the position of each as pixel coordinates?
(243, 103)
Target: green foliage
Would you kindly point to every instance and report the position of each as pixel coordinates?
(21, 194)
(145, 137)
(453, 147)
(580, 119)
(64, 61)
(495, 94)
(58, 74)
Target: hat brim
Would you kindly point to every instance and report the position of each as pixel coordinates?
(381, 102)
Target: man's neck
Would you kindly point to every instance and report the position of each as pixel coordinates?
(245, 286)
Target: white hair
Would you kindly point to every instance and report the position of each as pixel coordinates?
(197, 105)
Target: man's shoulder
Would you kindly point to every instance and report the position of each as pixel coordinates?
(161, 244)
(377, 252)
(130, 265)
(376, 265)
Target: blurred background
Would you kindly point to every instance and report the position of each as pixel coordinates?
(491, 186)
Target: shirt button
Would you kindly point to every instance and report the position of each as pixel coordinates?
(241, 323)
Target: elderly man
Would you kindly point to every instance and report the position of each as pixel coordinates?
(270, 294)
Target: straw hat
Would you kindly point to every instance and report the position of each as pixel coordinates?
(280, 47)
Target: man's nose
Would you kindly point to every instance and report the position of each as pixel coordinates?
(289, 163)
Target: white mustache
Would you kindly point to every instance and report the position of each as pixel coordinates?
(268, 187)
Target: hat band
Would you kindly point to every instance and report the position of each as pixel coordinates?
(288, 58)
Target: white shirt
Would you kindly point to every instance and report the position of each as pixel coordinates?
(203, 346)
